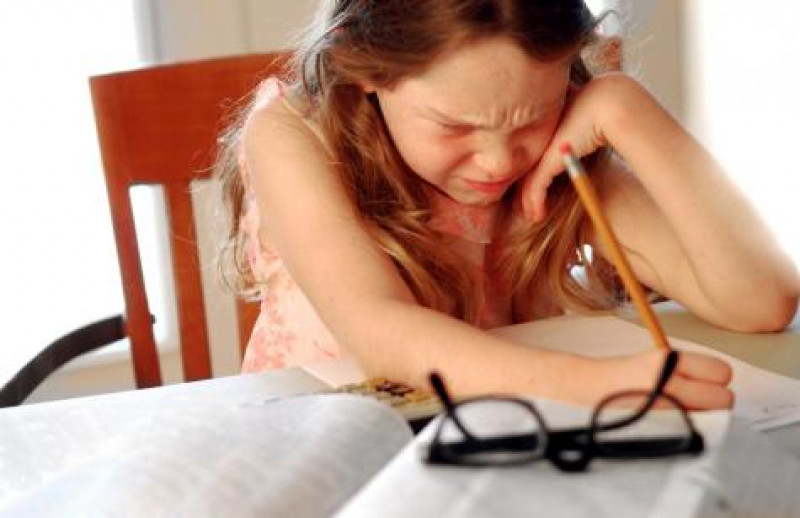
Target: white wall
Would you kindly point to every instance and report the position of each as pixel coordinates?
(653, 44)
(743, 100)
(190, 29)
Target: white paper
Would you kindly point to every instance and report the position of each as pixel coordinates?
(747, 476)
(765, 399)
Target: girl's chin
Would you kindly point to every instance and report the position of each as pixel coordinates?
(478, 199)
(471, 197)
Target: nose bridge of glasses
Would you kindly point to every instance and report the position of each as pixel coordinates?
(569, 449)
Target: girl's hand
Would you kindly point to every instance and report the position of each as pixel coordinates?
(699, 381)
(582, 125)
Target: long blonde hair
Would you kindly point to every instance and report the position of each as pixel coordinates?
(380, 42)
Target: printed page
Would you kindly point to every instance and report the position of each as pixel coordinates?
(239, 446)
(39, 441)
(300, 456)
(618, 489)
(765, 399)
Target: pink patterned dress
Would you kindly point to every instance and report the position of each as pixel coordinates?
(288, 331)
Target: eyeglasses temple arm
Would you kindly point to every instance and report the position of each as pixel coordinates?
(437, 383)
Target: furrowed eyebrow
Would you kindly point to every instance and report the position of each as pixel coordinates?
(454, 121)
(444, 118)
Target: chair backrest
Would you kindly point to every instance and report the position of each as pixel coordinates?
(158, 126)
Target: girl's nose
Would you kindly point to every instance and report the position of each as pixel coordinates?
(496, 158)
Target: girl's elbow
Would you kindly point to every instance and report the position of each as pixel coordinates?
(785, 313)
(771, 316)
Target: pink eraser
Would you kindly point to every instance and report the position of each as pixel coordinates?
(566, 148)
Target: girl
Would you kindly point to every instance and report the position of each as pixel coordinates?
(403, 193)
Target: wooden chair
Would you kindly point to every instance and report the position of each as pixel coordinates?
(158, 126)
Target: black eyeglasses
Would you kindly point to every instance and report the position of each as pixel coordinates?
(625, 425)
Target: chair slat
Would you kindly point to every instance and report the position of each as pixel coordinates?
(188, 282)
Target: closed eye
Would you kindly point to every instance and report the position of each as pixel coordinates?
(529, 128)
(455, 129)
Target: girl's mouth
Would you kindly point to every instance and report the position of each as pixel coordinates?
(489, 187)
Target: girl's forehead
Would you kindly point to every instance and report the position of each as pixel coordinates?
(488, 78)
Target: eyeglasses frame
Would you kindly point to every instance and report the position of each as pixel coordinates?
(571, 449)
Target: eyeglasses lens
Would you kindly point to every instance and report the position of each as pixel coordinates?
(620, 430)
(504, 431)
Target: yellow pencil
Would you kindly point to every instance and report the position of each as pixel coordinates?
(591, 202)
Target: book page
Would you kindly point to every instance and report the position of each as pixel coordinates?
(748, 476)
(765, 399)
(630, 488)
(261, 456)
(39, 441)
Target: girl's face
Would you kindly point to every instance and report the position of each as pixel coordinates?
(478, 119)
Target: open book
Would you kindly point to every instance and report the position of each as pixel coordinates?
(244, 451)
(292, 456)
(350, 456)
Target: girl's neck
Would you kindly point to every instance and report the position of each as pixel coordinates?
(474, 223)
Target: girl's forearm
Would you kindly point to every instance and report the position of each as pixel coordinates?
(416, 340)
(735, 261)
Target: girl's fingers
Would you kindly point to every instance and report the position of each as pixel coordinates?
(534, 188)
(701, 382)
(537, 204)
(704, 368)
(699, 395)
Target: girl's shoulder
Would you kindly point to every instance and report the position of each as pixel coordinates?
(278, 137)
(279, 113)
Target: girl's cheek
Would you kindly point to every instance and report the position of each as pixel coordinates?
(438, 161)
(540, 140)
(448, 144)
(533, 148)
(433, 155)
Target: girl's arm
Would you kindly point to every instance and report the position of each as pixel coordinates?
(690, 233)
(361, 297)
